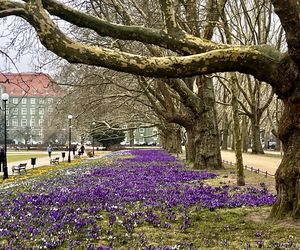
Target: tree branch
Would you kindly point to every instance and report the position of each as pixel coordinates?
(255, 60)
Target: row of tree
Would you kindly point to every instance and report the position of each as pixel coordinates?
(181, 44)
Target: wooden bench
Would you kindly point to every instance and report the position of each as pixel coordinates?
(54, 161)
(18, 168)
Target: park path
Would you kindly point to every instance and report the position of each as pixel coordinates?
(40, 161)
(43, 161)
(268, 162)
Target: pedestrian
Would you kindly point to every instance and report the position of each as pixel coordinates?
(1, 158)
(74, 149)
(49, 149)
(82, 150)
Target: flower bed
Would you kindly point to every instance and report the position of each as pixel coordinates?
(87, 207)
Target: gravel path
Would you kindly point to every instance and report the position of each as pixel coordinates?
(264, 162)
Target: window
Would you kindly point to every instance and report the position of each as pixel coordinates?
(24, 100)
(14, 122)
(32, 122)
(142, 130)
(24, 111)
(41, 111)
(15, 111)
(32, 111)
(15, 100)
(42, 101)
(124, 126)
(142, 140)
(23, 122)
(32, 100)
(154, 132)
(50, 109)
(41, 122)
(50, 100)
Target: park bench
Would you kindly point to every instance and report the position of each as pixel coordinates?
(18, 168)
(54, 161)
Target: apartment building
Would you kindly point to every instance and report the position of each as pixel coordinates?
(143, 136)
(31, 99)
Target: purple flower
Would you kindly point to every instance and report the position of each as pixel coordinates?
(136, 187)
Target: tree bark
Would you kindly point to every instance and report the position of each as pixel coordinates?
(237, 134)
(170, 138)
(256, 144)
(232, 140)
(190, 152)
(208, 155)
(131, 137)
(267, 138)
(287, 174)
(207, 140)
(225, 133)
(245, 139)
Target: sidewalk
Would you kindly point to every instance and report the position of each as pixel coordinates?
(43, 161)
(263, 162)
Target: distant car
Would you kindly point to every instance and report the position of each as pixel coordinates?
(272, 144)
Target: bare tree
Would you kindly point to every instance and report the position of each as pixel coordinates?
(200, 57)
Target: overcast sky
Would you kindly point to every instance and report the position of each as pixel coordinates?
(22, 64)
(27, 61)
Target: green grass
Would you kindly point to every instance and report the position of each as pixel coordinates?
(22, 157)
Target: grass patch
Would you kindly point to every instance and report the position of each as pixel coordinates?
(23, 157)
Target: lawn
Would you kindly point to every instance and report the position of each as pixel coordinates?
(140, 199)
(11, 157)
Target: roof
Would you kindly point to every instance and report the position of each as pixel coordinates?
(29, 85)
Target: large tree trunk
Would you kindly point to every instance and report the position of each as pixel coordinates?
(190, 152)
(131, 137)
(207, 140)
(208, 155)
(287, 175)
(256, 145)
(170, 138)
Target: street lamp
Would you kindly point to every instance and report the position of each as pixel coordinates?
(4, 98)
(93, 138)
(70, 127)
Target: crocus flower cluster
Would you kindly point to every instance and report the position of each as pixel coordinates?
(89, 205)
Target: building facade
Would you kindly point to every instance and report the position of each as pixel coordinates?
(31, 99)
(147, 136)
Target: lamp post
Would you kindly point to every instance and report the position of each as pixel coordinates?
(70, 127)
(93, 142)
(4, 98)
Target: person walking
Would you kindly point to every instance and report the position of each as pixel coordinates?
(49, 149)
(82, 150)
(74, 149)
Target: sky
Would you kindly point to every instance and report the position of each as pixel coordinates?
(22, 64)
(12, 61)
